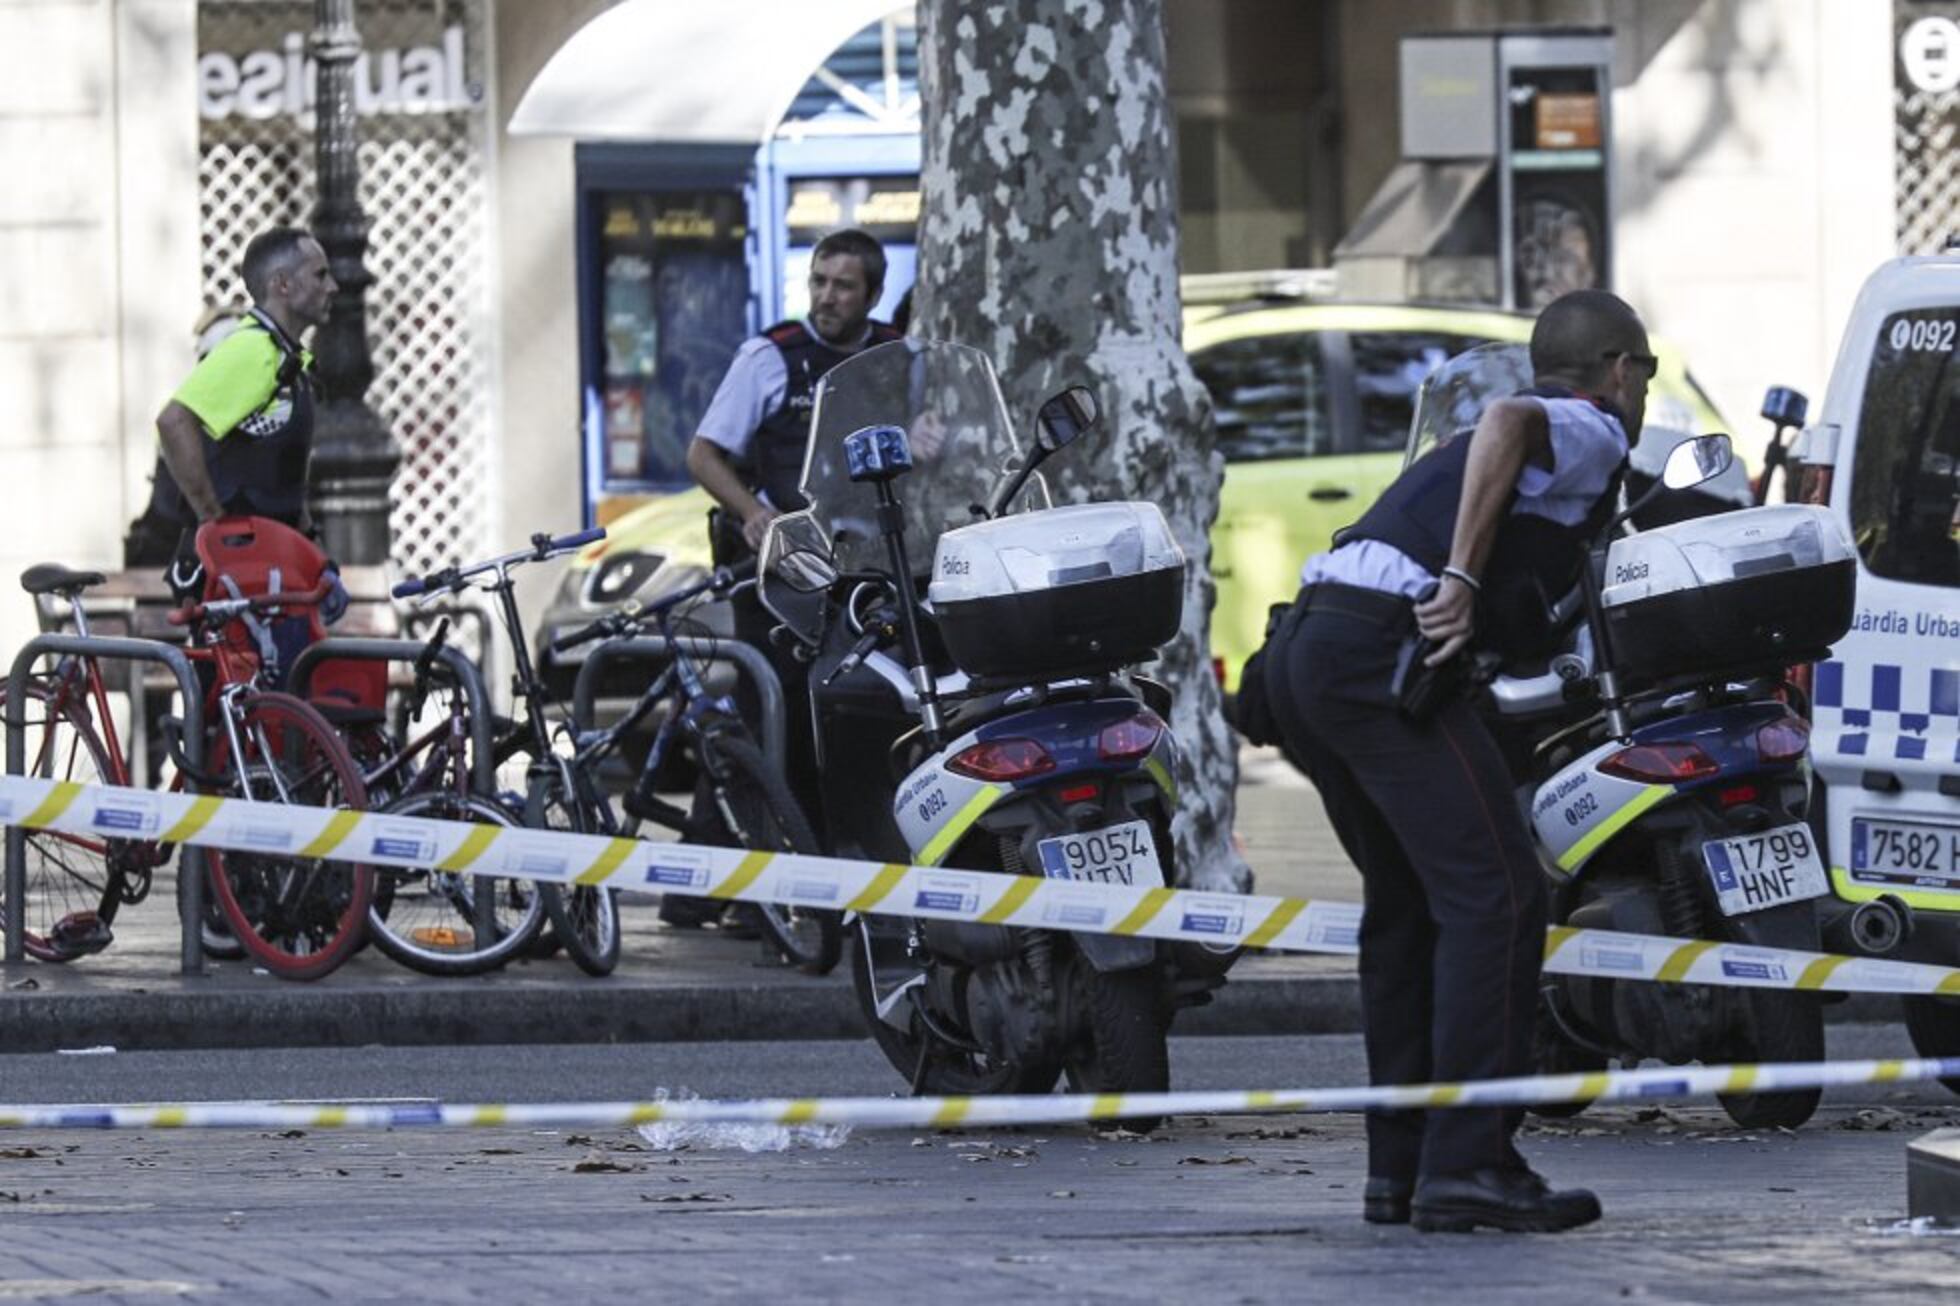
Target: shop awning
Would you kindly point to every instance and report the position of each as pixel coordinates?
(681, 70)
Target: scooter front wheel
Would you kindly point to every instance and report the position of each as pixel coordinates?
(1555, 1054)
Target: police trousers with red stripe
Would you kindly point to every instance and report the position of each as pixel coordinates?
(1453, 926)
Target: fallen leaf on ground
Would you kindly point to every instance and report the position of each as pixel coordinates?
(1263, 1133)
(1877, 1118)
(1223, 1160)
(666, 1198)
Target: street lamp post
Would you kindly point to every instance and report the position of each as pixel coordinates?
(354, 456)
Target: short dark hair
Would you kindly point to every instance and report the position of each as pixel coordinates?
(270, 251)
(1577, 333)
(861, 245)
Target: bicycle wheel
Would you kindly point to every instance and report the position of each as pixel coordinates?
(431, 923)
(584, 917)
(74, 882)
(299, 917)
(760, 813)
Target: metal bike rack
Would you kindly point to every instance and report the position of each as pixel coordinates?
(191, 863)
(750, 661)
(483, 763)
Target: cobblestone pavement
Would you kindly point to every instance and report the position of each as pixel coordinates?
(1216, 1211)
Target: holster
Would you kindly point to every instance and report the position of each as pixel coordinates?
(726, 543)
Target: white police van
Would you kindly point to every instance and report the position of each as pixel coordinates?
(1885, 456)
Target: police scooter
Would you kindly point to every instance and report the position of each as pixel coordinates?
(994, 727)
(1665, 777)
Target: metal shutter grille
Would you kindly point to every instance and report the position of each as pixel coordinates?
(423, 189)
(1926, 143)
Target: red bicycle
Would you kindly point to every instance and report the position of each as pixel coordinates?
(299, 916)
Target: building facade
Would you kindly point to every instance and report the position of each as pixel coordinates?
(545, 180)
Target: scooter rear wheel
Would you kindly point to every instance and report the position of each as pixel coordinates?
(1127, 1024)
(1783, 1027)
(950, 1071)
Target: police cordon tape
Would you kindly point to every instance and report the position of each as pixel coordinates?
(1660, 1084)
(1197, 916)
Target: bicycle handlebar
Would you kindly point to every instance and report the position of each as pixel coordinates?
(224, 609)
(629, 619)
(611, 624)
(543, 546)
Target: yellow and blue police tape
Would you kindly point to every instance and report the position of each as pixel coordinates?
(937, 893)
(1660, 1084)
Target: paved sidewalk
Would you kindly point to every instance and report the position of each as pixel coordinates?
(671, 985)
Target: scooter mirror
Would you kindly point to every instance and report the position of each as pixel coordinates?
(1067, 417)
(1694, 461)
(805, 571)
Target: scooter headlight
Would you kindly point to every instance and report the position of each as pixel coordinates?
(1662, 764)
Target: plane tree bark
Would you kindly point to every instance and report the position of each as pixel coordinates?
(1049, 238)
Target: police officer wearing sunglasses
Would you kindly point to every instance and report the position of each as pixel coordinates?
(1365, 681)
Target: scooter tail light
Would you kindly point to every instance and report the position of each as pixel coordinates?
(1783, 741)
(1002, 760)
(1660, 763)
(1126, 741)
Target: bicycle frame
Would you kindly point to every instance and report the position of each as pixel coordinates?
(93, 694)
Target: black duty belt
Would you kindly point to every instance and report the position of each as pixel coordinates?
(1391, 612)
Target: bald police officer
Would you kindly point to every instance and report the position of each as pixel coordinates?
(1462, 547)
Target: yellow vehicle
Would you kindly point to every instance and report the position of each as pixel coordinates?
(1313, 399)
(1313, 402)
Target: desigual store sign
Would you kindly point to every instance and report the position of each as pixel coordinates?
(265, 84)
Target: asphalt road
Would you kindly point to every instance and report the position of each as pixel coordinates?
(1217, 1209)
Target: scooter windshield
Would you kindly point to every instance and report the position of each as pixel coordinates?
(956, 424)
(1455, 395)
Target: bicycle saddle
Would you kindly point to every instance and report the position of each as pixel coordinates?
(53, 578)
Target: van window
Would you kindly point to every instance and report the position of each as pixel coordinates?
(1389, 367)
(1903, 486)
(1270, 396)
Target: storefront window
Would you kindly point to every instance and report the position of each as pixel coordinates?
(674, 291)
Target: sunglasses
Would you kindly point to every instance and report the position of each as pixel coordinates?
(1648, 361)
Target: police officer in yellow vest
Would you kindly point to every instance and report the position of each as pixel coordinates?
(237, 435)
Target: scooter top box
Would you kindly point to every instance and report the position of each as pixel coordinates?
(1091, 586)
(1755, 589)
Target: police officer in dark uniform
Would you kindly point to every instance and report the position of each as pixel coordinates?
(237, 435)
(750, 448)
(749, 451)
(1464, 546)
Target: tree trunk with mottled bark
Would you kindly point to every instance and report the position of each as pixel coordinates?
(1049, 239)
